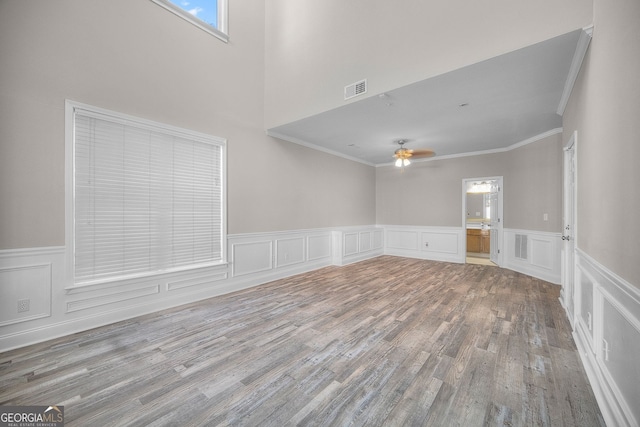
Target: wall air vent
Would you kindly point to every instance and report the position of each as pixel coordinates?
(521, 246)
(355, 89)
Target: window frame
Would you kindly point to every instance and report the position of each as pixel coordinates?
(221, 32)
(70, 185)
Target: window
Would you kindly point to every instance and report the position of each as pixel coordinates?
(209, 15)
(146, 197)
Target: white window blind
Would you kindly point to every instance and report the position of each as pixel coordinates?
(147, 198)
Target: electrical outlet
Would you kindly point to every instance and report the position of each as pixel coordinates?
(23, 305)
(545, 217)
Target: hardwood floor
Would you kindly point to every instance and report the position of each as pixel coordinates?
(389, 341)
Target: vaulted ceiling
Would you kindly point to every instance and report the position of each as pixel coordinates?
(487, 106)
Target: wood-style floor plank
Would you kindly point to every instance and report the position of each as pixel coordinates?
(389, 341)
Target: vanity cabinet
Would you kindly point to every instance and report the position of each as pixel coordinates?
(478, 241)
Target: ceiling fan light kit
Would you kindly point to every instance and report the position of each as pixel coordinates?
(402, 162)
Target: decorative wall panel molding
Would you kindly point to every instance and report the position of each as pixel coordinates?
(365, 241)
(193, 282)
(403, 240)
(58, 308)
(290, 251)
(350, 244)
(542, 259)
(440, 242)
(319, 247)
(607, 333)
(356, 244)
(27, 279)
(121, 297)
(434, 243)
(255, 258)
(251, 257)
(26, 293)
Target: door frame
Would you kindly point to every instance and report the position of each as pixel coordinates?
(569, 219)
(499, 239)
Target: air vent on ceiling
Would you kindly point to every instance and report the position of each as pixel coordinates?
(355, 89)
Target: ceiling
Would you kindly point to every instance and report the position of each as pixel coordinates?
(487, 106)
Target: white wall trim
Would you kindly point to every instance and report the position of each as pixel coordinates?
(543, 254)
(609, 346)
(352, 245)
(39, 274)
(30, 252)
(448, 244)
(425, 242)
(256, 258)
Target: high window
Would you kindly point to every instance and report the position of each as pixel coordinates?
(209, 15)
(146, 198)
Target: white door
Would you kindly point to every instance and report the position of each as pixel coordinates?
(569, 226)
(495, 222)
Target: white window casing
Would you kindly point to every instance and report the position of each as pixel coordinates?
(142, 197)
(220, 30)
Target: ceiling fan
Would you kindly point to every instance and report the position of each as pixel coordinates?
(402, 154)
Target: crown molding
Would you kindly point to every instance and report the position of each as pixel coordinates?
(315, 147)
(576, 64)
(493, 151)
(450, 156)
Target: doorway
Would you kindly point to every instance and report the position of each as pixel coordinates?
(482, 220)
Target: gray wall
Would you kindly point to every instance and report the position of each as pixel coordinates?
(136, 58)
(430, 192)
(605, 109)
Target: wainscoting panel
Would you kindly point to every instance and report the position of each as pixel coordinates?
(434, 243)
(350, 244)
(444, 243)
(378, 239)
(584, 307)
(355, 244)
(607, 334)
(251, 257)
(540, 258)
(290, 251)
(199, 281)
(111, 296)
(365, 241)
(26, 293)
(319, 247)
(542, 252)
(35, 278)
(402, 240)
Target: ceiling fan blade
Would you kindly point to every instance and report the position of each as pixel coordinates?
(422, 153)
